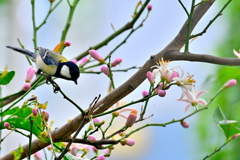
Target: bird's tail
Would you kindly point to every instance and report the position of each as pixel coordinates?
(32, 55)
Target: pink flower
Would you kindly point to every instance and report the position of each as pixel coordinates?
(116, 62)
(105, 70)
(101, 157)
(34, 112)
(26, 86)
(129, 142)
(83, 60)
(30, 74)
(6, 125)
(96, 56)
(144, 93)
(74, 61)
(91, 138)
(67, 43)
(162, 93)
(185, 124)
(231, 83)
(37, 156)
(193, 100)
(149, 7)
(150, 77)
(131, 118)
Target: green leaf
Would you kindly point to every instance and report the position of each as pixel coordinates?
(18, 120)
(7, 78)
(69, 156)
(17, 155)
(228, 127)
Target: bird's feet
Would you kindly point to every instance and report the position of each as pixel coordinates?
(49, 80)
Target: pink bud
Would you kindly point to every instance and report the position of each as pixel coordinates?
(162, 93)
(234, 136)
(231, 83)
(185, 124)
(91, 138)
(6, 125)
(122, 133)
(87, 148)
(96, 122)
(96, 56)
(46, 115)
(101, 157)
(67, 43)
(95, 149)
(174, 74)
(129, 142)
(49, 147)
(74, 151)
(34, 112)
(74, 61)
(122, 143)
(30, 74)
(83, 60)
(107, 151)
(150, 77)
(149, 7)
(131, 118)
(105, 70)
(116, 62)
(26, 86)
(144, 93)
(158, 88)
(37, 156)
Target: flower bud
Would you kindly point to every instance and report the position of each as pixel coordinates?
(150, 77)
(131, 118)
(116, 62)
(122, 133)
(26, 86)
(174, 74)
(96, 56)
(34, 112)
(37, 156)
(105, 70)
(43, 134)
(115, 114)
(74, 151)
(144, 93)
(149, 7)
(83, 60)
(101, 157)
(45, 115)
(234, 136)
(96, 122)
(185, 124)
(91, 138)
(49, 147)
(7, 125)
(162, 93)
(129, 142)
(74, 61)
(30, 74)
(67, 43)
(231, 83)
(106, 151)
(95, 149)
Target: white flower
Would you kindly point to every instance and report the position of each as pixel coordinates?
(194, 99)
(162, 68)
(185, 83)
(236, 53)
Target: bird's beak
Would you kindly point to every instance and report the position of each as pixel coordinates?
(75, 81)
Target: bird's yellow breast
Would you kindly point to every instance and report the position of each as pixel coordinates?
(51, 70)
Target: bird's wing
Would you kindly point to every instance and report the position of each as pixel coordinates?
(46, 56)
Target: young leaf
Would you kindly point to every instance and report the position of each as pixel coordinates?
(17, 155)
(5, 79)
(227, 126)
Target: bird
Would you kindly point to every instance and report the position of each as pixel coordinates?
(52, 63)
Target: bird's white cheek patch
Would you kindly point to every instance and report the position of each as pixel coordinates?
(65, 71)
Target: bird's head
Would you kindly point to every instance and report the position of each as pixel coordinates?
(68, 70)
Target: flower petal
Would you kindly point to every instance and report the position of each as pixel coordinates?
(186, 108)
(200, 93)
(202, 102)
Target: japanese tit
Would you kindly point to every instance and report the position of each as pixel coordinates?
(52, 63)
